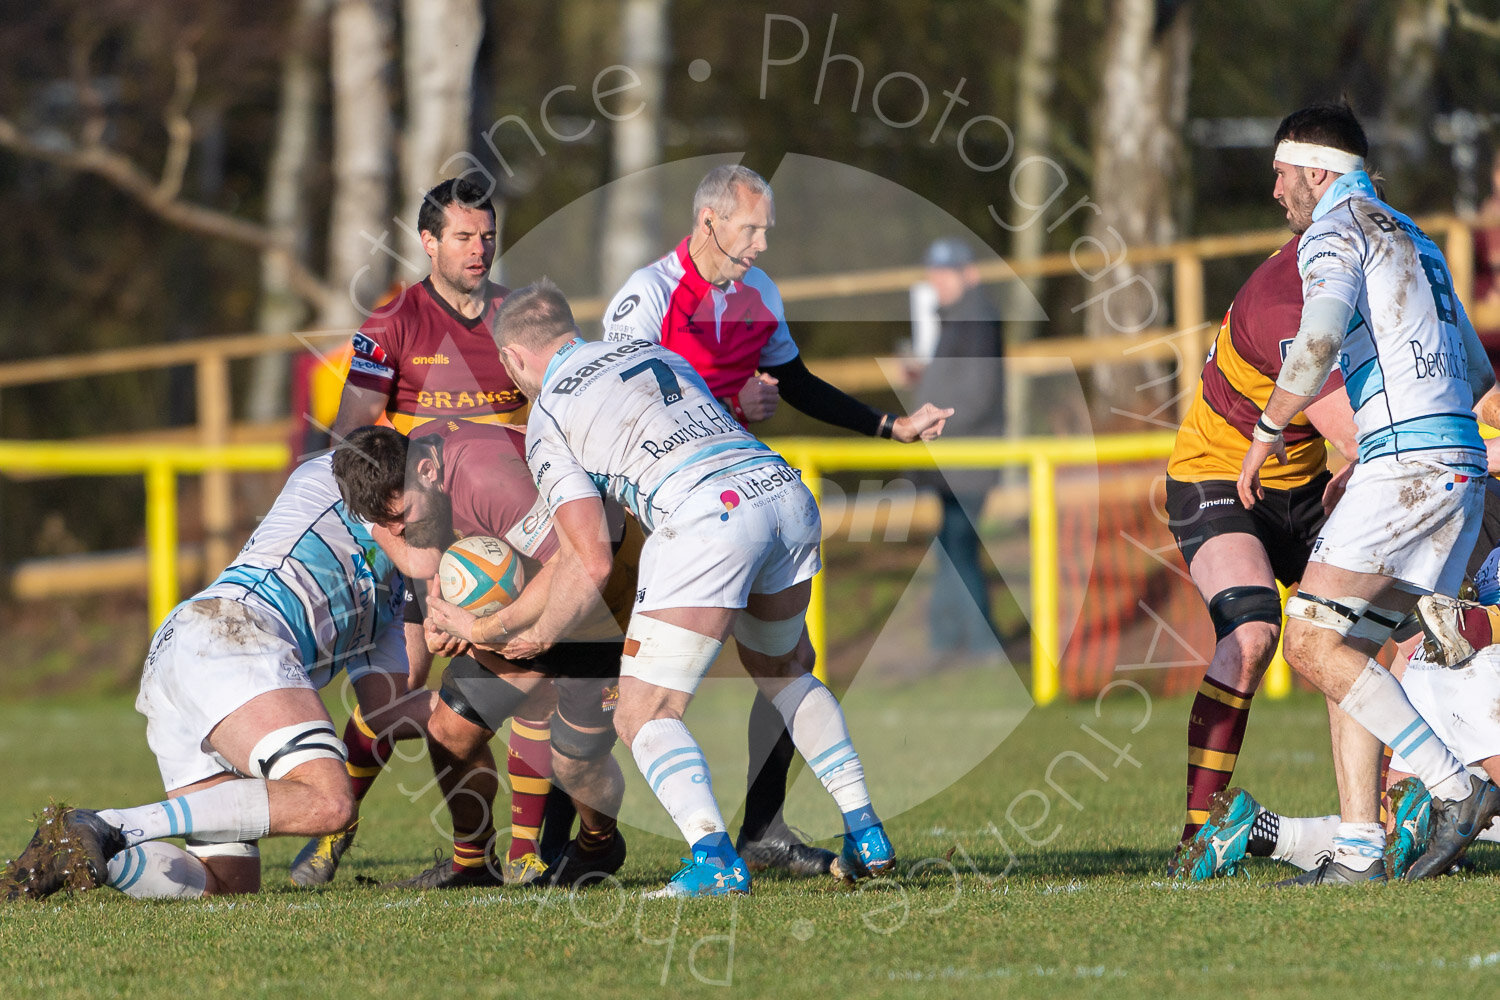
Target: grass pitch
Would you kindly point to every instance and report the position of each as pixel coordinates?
(1036, 873)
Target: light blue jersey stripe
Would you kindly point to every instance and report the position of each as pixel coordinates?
(1440, 432)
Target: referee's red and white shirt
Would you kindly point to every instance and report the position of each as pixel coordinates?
(726, 334)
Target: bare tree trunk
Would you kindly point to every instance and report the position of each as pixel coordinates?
(361, 41)
(1035, 180)
(440, 42)
(1417, 38)
(632, 211)
(1138, 160)
(282, 310)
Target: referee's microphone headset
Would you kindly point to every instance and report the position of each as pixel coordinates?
(742, 262)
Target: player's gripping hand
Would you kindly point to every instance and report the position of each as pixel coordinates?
(1248, 486)
(759, 398)
(448, 623)
(523, 646)
(926, 423)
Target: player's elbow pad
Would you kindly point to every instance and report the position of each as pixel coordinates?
(1313, 354)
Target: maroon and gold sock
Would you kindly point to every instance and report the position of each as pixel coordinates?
(474, 852)
(529, 763)
(1216, 729)
(595, 840)
(368, 753)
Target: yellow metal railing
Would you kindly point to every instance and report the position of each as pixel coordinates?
(1042, 457)
(160, 465)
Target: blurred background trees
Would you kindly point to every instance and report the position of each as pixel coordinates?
(181, 169)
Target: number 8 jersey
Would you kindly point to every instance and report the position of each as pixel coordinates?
(1404, 358)
(633, 422)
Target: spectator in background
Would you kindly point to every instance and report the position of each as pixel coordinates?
(967, 369)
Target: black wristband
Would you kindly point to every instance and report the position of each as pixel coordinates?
(887, 426)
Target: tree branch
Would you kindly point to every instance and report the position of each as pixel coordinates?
(160, 198)
(1489, 27)
(179, 128)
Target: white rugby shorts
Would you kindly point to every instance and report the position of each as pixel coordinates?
(1460, 704)
(754, 532)
(1410, 520)
(209, 658)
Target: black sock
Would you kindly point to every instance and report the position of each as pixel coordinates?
(1263, 834)
(771, 754)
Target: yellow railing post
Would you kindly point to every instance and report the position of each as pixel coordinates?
(1278, 682)
(817, 604)
(161, 538)
(1045, 638)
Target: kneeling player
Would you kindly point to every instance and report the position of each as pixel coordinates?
(229, 692)
(473, 478)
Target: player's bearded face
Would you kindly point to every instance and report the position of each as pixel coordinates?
(1295, 195)
(429, 525)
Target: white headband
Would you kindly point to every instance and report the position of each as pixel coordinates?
(1307, 154)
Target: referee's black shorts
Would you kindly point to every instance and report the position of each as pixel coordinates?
(1287, 522)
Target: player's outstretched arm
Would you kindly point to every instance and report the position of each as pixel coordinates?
(826, 402)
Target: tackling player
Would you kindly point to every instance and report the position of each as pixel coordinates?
(1237, 554)
(473, 478)
(732, 546)
(1378, 302)
(707, 301)
(229, 691)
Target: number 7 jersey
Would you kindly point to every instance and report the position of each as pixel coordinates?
(1403, 358)
(633, 422)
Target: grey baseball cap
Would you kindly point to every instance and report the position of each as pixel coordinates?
(950, 251)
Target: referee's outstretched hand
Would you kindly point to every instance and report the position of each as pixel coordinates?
(926, 423)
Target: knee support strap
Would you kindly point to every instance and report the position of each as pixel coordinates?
(1352, 617)
(667, 655)
(1234, 606)
(579, 744)
(282, 750)
(773, 638)
(234, 849)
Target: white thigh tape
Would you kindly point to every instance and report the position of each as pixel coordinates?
(773, 638)
(666, 655)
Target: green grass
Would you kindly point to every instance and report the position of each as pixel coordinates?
(1036, 873)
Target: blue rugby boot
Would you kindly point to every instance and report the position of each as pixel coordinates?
(866, 854)
(1220, 844)
(1411, 809)
(715, 870)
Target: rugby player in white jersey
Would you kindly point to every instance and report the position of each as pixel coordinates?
(230, 694)
(1378, 301)
(732, 546)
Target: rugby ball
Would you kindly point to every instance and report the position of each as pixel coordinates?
(480, 574)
